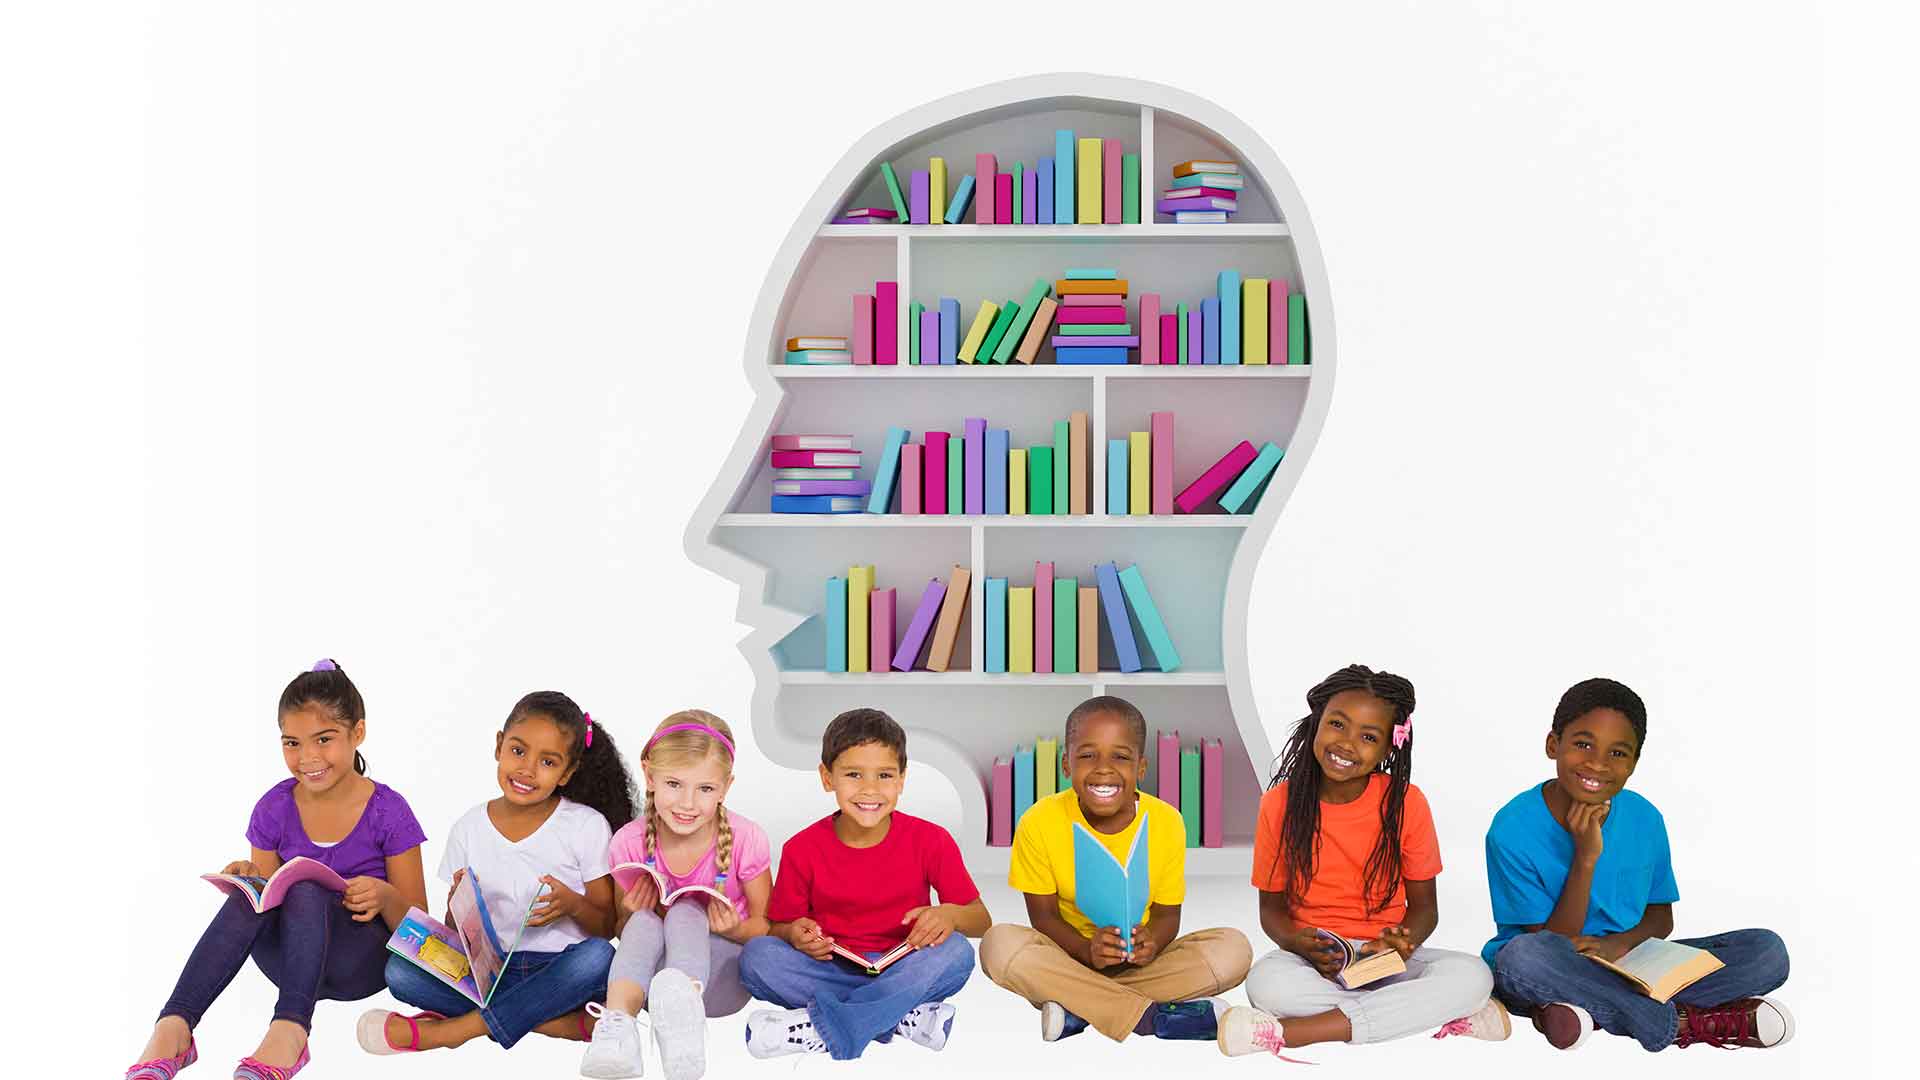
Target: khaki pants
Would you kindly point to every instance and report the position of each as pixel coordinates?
(1200, 964)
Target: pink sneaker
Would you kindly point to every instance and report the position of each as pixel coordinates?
(164, 1068)
(249, 1069)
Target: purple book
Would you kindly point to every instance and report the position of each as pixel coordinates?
(1030, 199)
(1196, 335)
(823, 487)
(919, 193)
(916, 640)
(976, 465)
(1094, 341)
(930, 338)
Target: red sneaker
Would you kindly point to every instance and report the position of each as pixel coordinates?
(1565, 1026)
(1756, 1022)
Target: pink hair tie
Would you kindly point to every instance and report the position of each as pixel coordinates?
(589, 738)
(670, 728)
(1402, 731)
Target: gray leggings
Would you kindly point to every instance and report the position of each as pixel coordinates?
(682, 941)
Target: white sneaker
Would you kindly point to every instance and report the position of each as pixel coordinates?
(1246, 1030)
(1489, 1022)
(614, 1053)
(679, 1024)
(773, 1032)
(927, 1024)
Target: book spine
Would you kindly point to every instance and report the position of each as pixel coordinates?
(920, 195)
(1113, 181)
(1066, 618)
(912, 470)
(1190, 794)
(1017, 481)
(1150, 328)
(929, 349)
(976, 453)
(1230, 328)
(1043, 617)
(837, 625)
(1169, 339)
(1026, 311)
(1116, 476)
(1022, 784)
(949, 330)
(1114, 355)
(1130, 190)
(1045, 186)
(1212, 829)
(1297, 329)
(1037, 331)
(1029, 196)
(886, 322)
(883, 477)
(996, 466)
(983, 321)
(1040, 480)
(1148, 615)
(1062, 466)
(1089, 633)
(1003, 198)
(1079, 478)
(862, 329)
(893, 190)
(953, 608)
(996, 659)
(1167, 755)
(1046, 765)
(1087, 198)
(1222, 472)
(917, 630)
(1118, 627)
(934, 489)
(991, 345)
(1235, 501)
(1064, 184)
(1000, 828)
(984, 170)
(914, 312)
(1192, 337)
(1210, 330)
(1277, 321)
(1139, 472)
(880, 625)
(1020, 629)
(962, 196)
(1160, 427)
(1253, 328)
(859, 601)
(957, 475)
(937, 187)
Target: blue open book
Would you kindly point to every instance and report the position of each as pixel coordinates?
(1107, 892)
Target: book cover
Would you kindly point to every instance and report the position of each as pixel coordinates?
(1064, 182)
(919, 196)
(1111, 355)
(1040, 480)
(1190, 794)
(1358, 967)
(819, 357)
(983, 321)
(937, 186)
(878, 213)
(785, 443)
(1078, 476)
(1130, 189)
(859, 607)
(1088, 632)
(1122, 342)
(1230, 328)
(976, 455)
(1036, 334)
(1110, 893)
(628, 874)
(1085, 315)
(1079, 332)
(816, 459)
(996, 628)
(467, 956)
(886, 322)
(1003, 198)
(837, 625)
(1046, 193)
(883, 476)
(821, 487)
(265, 893)
(907, 657)
(957, 475)
(1150, 330)
(862, 328)
(962, 197)
(1062, 465)
(1216, 478)
(912, 471)
(1212, 770)
(1169, 339)
(1148, 615)
(1094, 299)
(998, 330)
(819, 504)
(1177, 193)
(1277, 321)
(1017, 481)
(1112, 182)
(810, 473)
(1225, 181)
(934, 491)
(1210, 330)
(949, 330)
(880, 629)
(953, 609)
(996, 479)
(1087, 198)
(1166, 765)
(1236, 500)
(1046, 768)
(1297, 329)
(1066, 622)
(1202, 165)
(1110, 289)
(984, 170)
(1160, 436)
(1119, 627)
(1025, 312)
(1020, 629)
(1043, 618)
(1022, 783)
(1117, 476)
(1000, 814)
(804, 344)
(1253, 328)
(1139, 472)
(893, 190)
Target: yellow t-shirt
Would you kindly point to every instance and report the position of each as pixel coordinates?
(1042, 860)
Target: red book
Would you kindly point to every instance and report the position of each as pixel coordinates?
(1003, 198)
(934, 491)
(1169, 339)
(816, 459)
(1203, 490)
(984, 171)
(1088, 314)
(886, 322)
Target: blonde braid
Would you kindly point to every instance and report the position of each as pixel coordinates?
(647, 853)
(723, 844)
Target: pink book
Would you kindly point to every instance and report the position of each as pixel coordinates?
(915, 642)
(1003, 198)
(1277, 321)
(862, 329)
(264, 894)
(984, 171)
(815, 459)
(1173, 194)
(1110, 174)
(1202, 491)
(1150, 329)
(1000, 814)
(1042, 618)
(1160, 436)
(912, 458)
(934, 491)
(1169, 339)
(886, 322)
(1212, 831)
(1087, 313)
(1091, 299)
(842, 443)
(1168, 762)
(881, 623)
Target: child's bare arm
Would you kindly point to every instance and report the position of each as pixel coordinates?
(1043, 913)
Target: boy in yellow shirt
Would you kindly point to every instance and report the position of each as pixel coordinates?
(1081, 975)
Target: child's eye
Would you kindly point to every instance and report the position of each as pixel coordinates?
(324, 739)
(1370, 737)
(706, 789)
(517, 752)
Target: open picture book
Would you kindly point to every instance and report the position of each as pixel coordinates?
(1357, 968)
(1660, 968)
(265, 893)
(468, 955)
(626, 873)
(879, 963)
(1105, 891)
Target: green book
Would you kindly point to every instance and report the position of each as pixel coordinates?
(1180, 315)
(957, 475)
(997, 330)
(1296, 328)
(893, 192)
(1190, 793)
(1040, 482)
(1062, 465)
(1066, 616)
(913, 331)
(1017, 330)
(1130, 189)
(1084, 329)
(1019, 185)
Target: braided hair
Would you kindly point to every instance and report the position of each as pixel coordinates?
(681, 748)
(600, 780)
(328, 687)
(1299, 843)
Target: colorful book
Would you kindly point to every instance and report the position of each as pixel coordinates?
(1150, 331)
(924, 340)
(1190, 335)
(1037, 331)
(907, 657)
(1230, 328)
(810, 473)
(962, 196)
(1160, 436)
(837, 625)
(998, 330)
(1087, 198)
(880, 629)
(878, 213)
(1022, 783)
(1092, 341)
(953, 608)
(816, 459)
(1119, 627)
(1190, 794)
(1139, 472)
(265, 893)
(912, 470)
(785, 443)
(845, 220)
(934, 490)
(1226, 181)
(983, 321)
(1094, 299)
(467, 956)
(1148, 616)
(1078, 476)
(1003, 198)
(1199, 193)
(1130, 189)
(883, 477)
(1040, 480)
(1018, 192)
(1277, 321)
(1212, 771)
(1062, 465)
(984, 169)
(1046, 192)
(886, 322)
(1108, 891)
(1169, 339)
(1210, 330)
(1215, 479)
(1112, 181)
(949, 330)
(1024, 313)
(801, 344)
(822, 487)
(996, 492)
(1093, 329)
(1043, 617)
(976, 456)
(1115, 355)
(1091, 273)
(893, 190)
(937, 186)
(1166, 757)
(862, 329)
(1088, 633)
(1109, 287)
(1199, 217)
(1116, 476)
(1020, 629)
(1030, 198)
(819, 504)
(1253, 327)
(819, 357)
(1064, 181)
(859, 608)
(1017, 481)
(1046, 768)
(1297, 329)
(1202, 165)
(996, 601)
(957, 475)
(1660, 968)
(1235, 500)
(1000, 814)
(1199, 203)
(1085, 315)
(919, 196)
(1066, 620)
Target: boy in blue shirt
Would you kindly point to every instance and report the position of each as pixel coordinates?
(1579, 867)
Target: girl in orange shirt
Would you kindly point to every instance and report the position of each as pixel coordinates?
(1345, 849)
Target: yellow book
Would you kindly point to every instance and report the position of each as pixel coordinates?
(1020, 629)
(937, 190)
(1139, 472)
(1016, 481)
(982, 322)
(1046, 768)
(859, 603)
(1087, 171)
(1253, 321)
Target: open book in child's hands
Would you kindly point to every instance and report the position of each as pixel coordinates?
(466, 956)
(1660, 968)
(265, 893)
(1107, 892)
(876, 965)
(626, 873)
(1358, 967)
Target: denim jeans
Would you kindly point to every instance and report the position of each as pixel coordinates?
(1541, 968)
(534, 988)
(850, 1008)
(310, 947)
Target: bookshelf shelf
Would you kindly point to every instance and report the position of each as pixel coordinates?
(1199, 567)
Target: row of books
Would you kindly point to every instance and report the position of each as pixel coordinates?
(1189, 777)
(1052, 626)
(1202, 192)
(861, 623)
(817, 474)
(978, 472)
(1140, 474)
(1087, 181)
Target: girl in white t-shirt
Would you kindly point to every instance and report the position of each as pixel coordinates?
(538, 851)
(681, 961)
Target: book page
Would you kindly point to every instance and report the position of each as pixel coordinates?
(470, 921)
(1653, 959)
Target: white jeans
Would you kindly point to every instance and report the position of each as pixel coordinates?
(1437, 986)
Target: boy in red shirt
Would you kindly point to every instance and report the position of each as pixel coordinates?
(860, 878)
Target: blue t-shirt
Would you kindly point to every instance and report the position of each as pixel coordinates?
(1529, 854)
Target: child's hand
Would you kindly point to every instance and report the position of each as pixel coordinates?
(1324, 955)
(804, 934)
(931, 925)
(1107, 949)
(242, 868)
(1604, 946)
(722, 917)
(365, 896)
(644, 896)
(1397, 938)
(1584, 821)
(1144, 947)
(559, 902)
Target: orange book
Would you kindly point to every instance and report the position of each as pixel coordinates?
(1089, 629)
(802, 344)
(1065, 287)
(1036, 331)
(951, 610)
(1077, 501)
(1188, 168)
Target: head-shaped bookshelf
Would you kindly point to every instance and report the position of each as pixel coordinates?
(1200, 566)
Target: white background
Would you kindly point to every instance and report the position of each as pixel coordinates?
(402, 334)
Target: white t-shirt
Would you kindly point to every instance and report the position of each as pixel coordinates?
(571, 845)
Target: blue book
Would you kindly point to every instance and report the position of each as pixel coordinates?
(996, 626)
(1158, 639)
(1084, 354)
(882, 498)
(1230, 328)
(949, 330)
(1117, 476)
(1107, 892)
(1046, 191)
(996, 466)
(837, 625)
(1022, 782)
(962, 195)
(1210, 330)
(1064, 150)
(1250, 480)
(1118, 625)
(1082, 274)
(819, 504)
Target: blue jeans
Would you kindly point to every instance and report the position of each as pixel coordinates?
(534, 988)
(1541, 968)
(850, 1008)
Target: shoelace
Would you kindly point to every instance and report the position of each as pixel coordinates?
(1461, 1026)
(618, 1022)
(1723, 1027)
(1268, 1036)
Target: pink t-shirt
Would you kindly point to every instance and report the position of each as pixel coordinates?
(752, 856)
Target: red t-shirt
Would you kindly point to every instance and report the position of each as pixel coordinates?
(858, 895)
(1335, 899)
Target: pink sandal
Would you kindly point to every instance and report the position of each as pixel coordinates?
(250, 1069)
(372, 1031)
(164, 1068)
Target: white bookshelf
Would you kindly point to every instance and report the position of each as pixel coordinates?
(1200, 568)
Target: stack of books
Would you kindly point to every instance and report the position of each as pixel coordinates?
(980, 472)
(1052, 626)
(1188, 777)
(1087, 181)
(1093, 327)
(861, 626)
(1202, 191)
(818, 351)
(817, 474)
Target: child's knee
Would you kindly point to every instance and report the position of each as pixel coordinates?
(1230, 956)
(307, 898)
(999, 945)
(1531, 955)
(1770, 955)
(760, 958)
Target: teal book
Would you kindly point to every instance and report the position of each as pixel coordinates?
(1022, 782)
(1019, 185)
(1062, 466)
(1066, 620)
(1230, 328)
(996, 626)
(999, 330)
(893, 192)
(1190, 793)
(962, 196)
(1065, 153)
(1130, 189)
(837, 625)
(1092, 274)
(1040, 480)
(956, 475)
(1116, 476)
(914, 311)
(1181, 312)
(1296, 328)
(1108, 892)
(1235, 500)
(1017, 328)
(881, 498)
(1148, 616)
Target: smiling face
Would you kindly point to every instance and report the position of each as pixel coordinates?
(1354, 734)
(866, 782)
(318, 746)
(1106, 763)
(687, 794)
(534, 760)
(1594, 755)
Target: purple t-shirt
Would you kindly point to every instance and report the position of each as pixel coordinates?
(386, 827)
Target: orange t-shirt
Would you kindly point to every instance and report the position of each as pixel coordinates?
(1335, 898)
